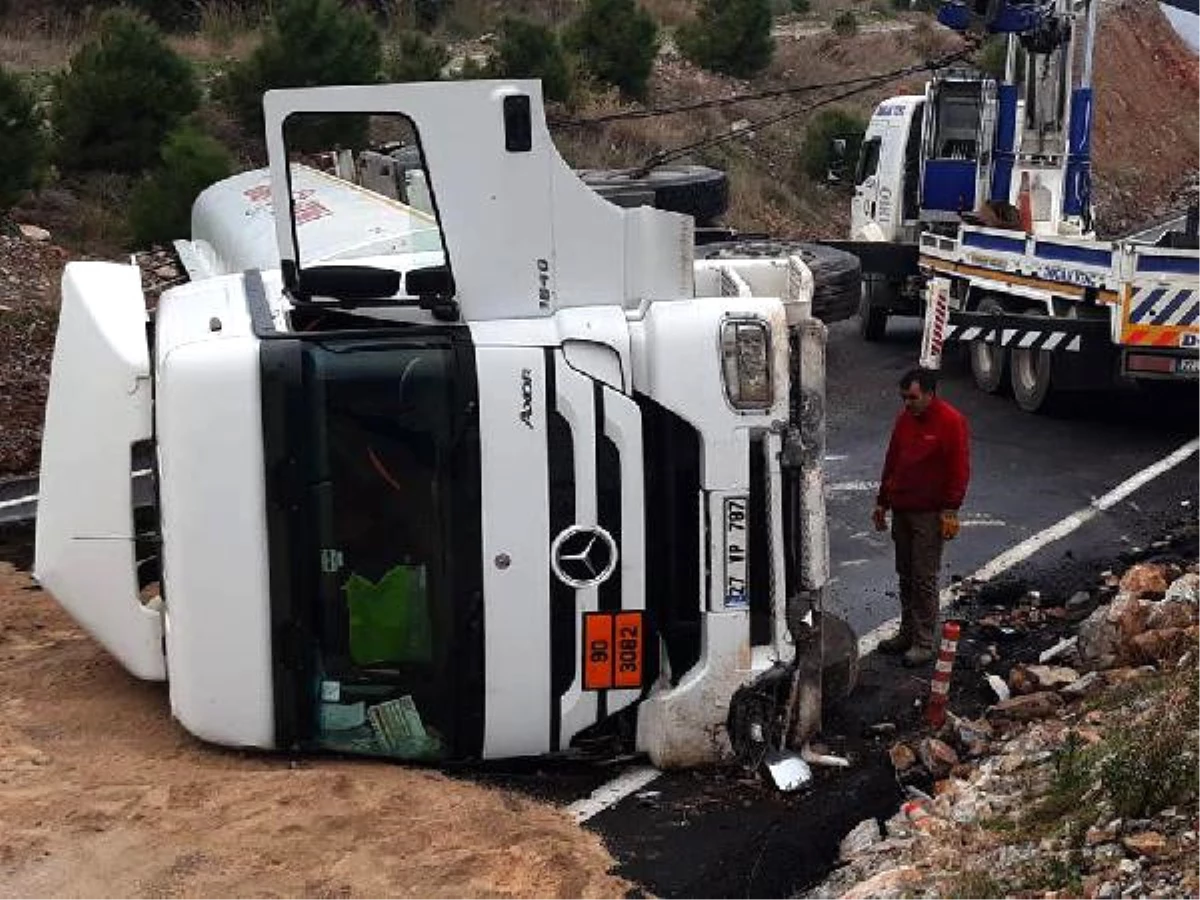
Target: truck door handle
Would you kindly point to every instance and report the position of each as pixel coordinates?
(872, 209)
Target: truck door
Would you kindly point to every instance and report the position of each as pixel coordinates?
(864, 209)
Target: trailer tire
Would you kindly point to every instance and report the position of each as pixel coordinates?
(837, 275)
(872, 320)
(989, 362)
(701, 192)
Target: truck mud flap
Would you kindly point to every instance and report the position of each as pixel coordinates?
(1030, 332)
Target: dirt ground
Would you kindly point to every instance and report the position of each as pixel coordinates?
(102, 795)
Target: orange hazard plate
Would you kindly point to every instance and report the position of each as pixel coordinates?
(612, 650)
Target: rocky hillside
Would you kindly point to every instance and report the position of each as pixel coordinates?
(1080, 779)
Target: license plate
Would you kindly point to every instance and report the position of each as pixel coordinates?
(736, 589)
(612, 650)
(1187, 366)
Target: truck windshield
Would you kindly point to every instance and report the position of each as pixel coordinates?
(387, 439)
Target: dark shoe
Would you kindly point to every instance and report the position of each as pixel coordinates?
(918, 656)
(894, 645)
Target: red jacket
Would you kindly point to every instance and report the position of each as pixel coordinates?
(928, 460)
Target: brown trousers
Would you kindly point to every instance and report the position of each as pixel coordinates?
(918, 537)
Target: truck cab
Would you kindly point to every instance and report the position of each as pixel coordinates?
(470, 481)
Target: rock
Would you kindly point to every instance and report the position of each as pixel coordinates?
(34, 233)
(861, 837)
(1146, 843)
(937, 757)
(1170, 614)
(996, 683)
(1144, 579)
(1129, 867)
(882, 729)
(1063, 647)
(1185, 589)
(890, 883)
(1082, 686)
(1079, 600)
(1096, 835)
(902, 756)
(1030, 706)
(1105, 634)
(1029, 679)
(1110, 890)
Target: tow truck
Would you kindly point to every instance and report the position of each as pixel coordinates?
(972, 207)
(497, 473)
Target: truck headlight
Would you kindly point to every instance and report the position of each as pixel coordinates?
(746, 363)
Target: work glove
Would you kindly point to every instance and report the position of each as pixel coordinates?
(879, 517)
(949, 524)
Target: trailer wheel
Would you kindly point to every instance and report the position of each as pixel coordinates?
(872, 320)
(988, 361)
(701, 192)
(837, 275)
(1030, 372)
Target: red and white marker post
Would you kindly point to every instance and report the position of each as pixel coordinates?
(939, 689)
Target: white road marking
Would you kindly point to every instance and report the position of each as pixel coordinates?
(4, 504)
(843, 486)
(835, 457)
(854, 562)
(613, 792)
(32, 498)
(983, 523)
(1057, 531)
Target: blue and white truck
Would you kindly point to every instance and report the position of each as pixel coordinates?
(973, 207)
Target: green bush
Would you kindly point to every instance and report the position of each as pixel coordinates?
(730, 36)
(528, 50)
(616, 40)
(801, 6)
(990, 57)
(124, 91)
(173, 15)
(845, 23)
(161, 205)
(414, 57)
(22, 140)
(815, 156)
(310, 43)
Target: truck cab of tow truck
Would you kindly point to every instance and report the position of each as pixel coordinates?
(496, 476)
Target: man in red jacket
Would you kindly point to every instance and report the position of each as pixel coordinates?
(924, 480)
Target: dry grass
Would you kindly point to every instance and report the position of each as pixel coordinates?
(39, 43)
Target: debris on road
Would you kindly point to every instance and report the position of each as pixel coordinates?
(1081, 784)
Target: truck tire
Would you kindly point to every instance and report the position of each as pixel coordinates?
(837, 275)
(989, 362)
(872, 320)
(698, 191)
(1031, 375)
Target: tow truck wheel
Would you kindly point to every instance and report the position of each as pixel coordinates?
(988, 361)
(837, 275)
(872, 321)
(1030, 375)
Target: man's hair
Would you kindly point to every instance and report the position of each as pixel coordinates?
(925, 378)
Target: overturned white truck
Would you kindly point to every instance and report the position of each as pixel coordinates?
(484, 480)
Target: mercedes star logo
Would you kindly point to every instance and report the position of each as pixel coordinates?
(583, 556)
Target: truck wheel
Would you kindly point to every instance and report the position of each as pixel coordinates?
(1030, 372)
(988, 361)
(872, 321)
(837, 275)
(698, 191)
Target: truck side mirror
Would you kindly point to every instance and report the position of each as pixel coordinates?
(836, 170)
